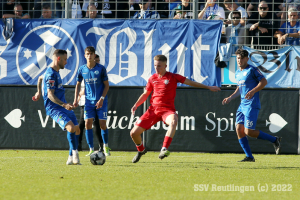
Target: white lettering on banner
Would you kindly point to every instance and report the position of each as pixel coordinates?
(197, 47)
(132, 57)
(187, 121)
(44, 123)
(100, 49)
(3, 62)
(115, 124)
(165, 50)
(219, 129)
(181, 49)
(148, 54)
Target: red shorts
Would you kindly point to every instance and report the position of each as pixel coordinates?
(154, 115)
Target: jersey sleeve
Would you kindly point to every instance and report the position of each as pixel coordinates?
(179, 78)
(104, 74)
(79, 75)
(149, 86)
(257, 75)
(51, 81)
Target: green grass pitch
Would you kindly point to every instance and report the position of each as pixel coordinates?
(32, 174)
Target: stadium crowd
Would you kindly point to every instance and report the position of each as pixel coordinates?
(258, 24)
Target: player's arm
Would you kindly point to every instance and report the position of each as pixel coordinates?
(76, 95)
(200, 85)
(140, 100)
(56, 100)
(231, 97)
(39, 88)
(262, 83)
(104, 93)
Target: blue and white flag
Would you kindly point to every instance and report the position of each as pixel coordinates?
(126, 48)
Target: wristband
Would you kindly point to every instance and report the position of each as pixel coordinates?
(102, 97)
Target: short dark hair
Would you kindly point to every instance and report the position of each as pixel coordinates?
(236, 13)
(90, 49)
(161, 58)
(59, 52)
(46, 6)
(242, 52)
(97, 56)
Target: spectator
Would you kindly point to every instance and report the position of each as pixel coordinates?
(93, 12)
(289, 31)
(286, 6)
(146, 12)
(166, 8)
(18, 9)
(262, 24)
(184, 10)
(211, 10)
(56, 7)
(46, 12)
(274, 5)
(236, 33)
(232, 6)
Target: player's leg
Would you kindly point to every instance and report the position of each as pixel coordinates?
(145, 122)
(135, 135)
(250, 125)
(97, 131)
(102, 116)
(71, 126)
(81, 128)
(243, 140)
(171, 120)
(104, 133)
(89, 116)
(89, 134)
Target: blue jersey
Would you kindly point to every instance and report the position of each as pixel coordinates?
(287, 28)
(52, 80)
(247, 79)
(93, 79)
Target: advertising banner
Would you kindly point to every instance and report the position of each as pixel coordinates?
(126, 48)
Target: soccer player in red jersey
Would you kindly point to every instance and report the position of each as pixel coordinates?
(163, 86)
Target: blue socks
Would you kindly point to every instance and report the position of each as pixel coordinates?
(89, 138)
(72, 141)
(265, 136)
(245, 145)
(104, 134)
(77, 140)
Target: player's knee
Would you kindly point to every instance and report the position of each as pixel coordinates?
(249, 132)
(103, 125)
(133, 133)
(173, 123)
(88, 125)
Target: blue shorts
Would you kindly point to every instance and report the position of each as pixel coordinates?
(247, 117)
(90, 110)
(63, 116)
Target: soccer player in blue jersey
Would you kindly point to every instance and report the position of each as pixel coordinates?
(55, 103)
(249, 82)
(96, 88)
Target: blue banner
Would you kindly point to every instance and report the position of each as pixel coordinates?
(126, 48)
(280, 67)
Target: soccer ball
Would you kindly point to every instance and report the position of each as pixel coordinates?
(97, 158)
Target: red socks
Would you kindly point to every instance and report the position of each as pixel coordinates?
(140, 148)
(167, 141)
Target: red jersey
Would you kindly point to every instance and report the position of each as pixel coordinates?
(164, 89)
